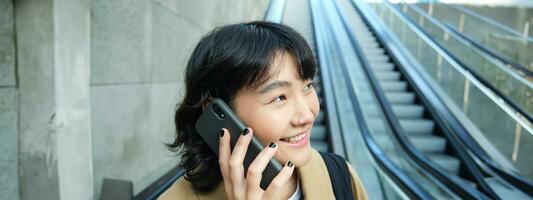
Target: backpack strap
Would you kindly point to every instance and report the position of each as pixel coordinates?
(339, 174)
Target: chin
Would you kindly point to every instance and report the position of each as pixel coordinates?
(299, 157)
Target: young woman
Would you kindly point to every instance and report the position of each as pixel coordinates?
(264, 72)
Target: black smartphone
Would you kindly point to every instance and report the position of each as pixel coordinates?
(219, 115)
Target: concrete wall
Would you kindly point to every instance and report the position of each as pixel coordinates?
(8, 105)
(138, 52)
(89, 90)
(53, 70)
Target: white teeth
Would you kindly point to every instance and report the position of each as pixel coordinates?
(294, 139)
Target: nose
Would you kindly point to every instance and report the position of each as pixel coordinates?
(303, 112)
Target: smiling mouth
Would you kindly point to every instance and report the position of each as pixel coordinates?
(294, 139)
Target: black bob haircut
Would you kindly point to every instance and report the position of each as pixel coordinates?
(226, 60)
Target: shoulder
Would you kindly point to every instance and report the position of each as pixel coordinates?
(181, 189)
(357, 185)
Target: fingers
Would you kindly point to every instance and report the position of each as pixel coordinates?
(224, 153)
(256, 168)
(280, 180)
(232, 168)
(236, 167)
(224, 150)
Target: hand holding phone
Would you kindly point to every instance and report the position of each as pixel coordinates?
(250, 164)
(241, 185)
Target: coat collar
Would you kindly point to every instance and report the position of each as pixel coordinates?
(315, 179)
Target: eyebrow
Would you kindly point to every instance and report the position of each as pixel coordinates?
(274, 85)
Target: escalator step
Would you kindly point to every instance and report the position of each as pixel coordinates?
(377, 58)
(428, 143)
(378, 62)
(448, 163)
(370, 45)
(417, 126)
(374, 52)
(408, 111)
(388, 76)
(393, 86)
(383, 66)
(401, 111)
(363, 29)
(365, 36)
(369, 51)
(400, 97)
(372, 49)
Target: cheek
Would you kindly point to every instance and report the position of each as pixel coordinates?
(314, 104)
(268, 125)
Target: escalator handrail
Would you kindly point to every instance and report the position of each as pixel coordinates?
(445, 26)
(404, 182)
(518, 109)
(466, 39)
(459, 187)
(517, 66)
(491, 21)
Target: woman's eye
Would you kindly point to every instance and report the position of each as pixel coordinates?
(309, 86)
(278, 99)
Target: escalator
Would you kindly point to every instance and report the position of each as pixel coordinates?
(417, 117)
(335, 127)
(501, 176)
(416, 121)
(406, 117)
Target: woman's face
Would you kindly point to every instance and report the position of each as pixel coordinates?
(282, 110)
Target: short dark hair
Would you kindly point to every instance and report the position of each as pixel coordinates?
(226, 60)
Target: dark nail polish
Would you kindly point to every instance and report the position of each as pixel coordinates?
(221, 133)
(246, 131)
(290, 164)
(272, 145)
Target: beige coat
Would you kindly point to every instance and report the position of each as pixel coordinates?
(313, 177)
